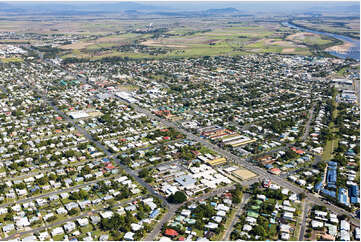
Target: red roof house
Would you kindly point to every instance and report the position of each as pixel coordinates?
(171, 232)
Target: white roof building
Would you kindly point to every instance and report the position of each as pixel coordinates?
(316, 224)
(345, 225)
(247, 227)
(129, 236)
(57, 231)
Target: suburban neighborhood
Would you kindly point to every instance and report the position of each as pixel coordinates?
(262, 146)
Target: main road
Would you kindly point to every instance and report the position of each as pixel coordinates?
(258, 170)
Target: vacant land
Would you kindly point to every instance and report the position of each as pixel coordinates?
(94, 37)
(191, 38)
(346, 26)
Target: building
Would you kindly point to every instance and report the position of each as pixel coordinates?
(217, 161)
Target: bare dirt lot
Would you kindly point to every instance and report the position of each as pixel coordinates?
(244, 174)
(156, 43)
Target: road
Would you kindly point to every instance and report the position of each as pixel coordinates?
(258, 170)
(304, 219)
(228, 232)
(307, 126)
(47, 226)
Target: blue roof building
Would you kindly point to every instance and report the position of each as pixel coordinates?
(154, 213)
(355, 200)
(354, 191)
(342, 197)
(328, 193)
(318, 186)
(331, 176)
(354, 194)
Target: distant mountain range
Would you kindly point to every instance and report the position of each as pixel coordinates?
(175, 8)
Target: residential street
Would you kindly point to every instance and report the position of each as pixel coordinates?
(51, 225)
(239, 211)
(307, 126)
(304, 219)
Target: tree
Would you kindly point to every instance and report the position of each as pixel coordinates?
(178, 197)
(144, 173)
(73, 211)
(236, 199)
(259, 230)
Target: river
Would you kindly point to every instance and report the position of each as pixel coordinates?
(353, 52)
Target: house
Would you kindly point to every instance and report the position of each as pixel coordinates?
(171, 233)
(251, 221)
(247, 227)
(135, 227)
(288, 215)
(344, 225)
(47, 216)
(211, 225)
(43, 236)
(29, 238)
(316, 224)
(221, 213)
(345, 235)
(61, 210)
(3, 211)
(104, 237)
(217, 219)
(69, 226)
(9, 227)
(320, 213)
(222, 207)
(285, 236)
(64, 195)
(357, 233)
(82, 221)
(71, 205)
(22, 222)
(186, 213)
(57, 231)
(285, 228)
(106, 214)
(94, 219)
(154, 213)
(129, 236)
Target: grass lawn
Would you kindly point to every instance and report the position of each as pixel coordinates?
(331, 145)
(13, 59)
(205, 150)
(86, 229)
(58, 237)
(59, 218)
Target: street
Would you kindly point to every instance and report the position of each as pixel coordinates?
(229, 230)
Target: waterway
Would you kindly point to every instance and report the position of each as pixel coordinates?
(353, 52)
